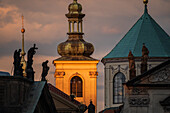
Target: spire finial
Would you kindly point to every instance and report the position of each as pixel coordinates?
(22, 30)
(145, 2)
(22, 21)
(23, 62)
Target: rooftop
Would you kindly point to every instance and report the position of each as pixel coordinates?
(147, 31)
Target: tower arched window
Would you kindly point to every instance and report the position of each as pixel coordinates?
(76, 86)
(118, 92)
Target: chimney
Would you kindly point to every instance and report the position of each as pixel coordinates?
(144, 59)
(132, 70)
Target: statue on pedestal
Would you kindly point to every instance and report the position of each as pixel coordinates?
(29, 70)
(45, 70)
(17, 63)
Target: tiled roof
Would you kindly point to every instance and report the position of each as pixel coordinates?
(62, 94)
(147, 31)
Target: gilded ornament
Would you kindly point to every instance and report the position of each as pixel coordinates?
(145, 2)
(22, 30)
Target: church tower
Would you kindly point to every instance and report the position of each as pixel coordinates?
(146, 37)
(75, 71)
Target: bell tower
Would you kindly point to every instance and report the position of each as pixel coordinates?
(75, 71)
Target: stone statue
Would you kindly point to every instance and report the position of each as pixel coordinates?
(144, 59)
(30, 54)
(29, 69)
(132, 70)
(17, 63)
(91, 108)
(45, 70)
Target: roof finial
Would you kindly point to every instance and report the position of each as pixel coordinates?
(145, 2)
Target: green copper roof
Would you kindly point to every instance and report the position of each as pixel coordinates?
(147, 31)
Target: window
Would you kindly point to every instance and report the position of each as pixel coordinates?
(76, 86)
(118, 92)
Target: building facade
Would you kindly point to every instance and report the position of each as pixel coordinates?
(75, 71)
(149, 92)
(21, 95)
(144, 32)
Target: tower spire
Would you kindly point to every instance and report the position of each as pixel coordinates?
(23, 62)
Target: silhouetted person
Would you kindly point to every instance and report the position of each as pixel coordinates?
(45, 70)
(91, 108)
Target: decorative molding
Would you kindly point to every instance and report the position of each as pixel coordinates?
(76, 74)
(139, 101)
(137, 91)
(59, 74)
(118, 69)
(160, 76)
(93, 73)
(139, 97)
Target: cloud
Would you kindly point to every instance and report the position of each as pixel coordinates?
(37, 24)
(7, 15)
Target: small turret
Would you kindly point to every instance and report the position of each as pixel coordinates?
(144, 59)
(132, 69)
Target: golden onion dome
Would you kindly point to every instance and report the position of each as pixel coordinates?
(74, 47)
(75, 8)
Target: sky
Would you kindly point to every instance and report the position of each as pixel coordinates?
(105, 23)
